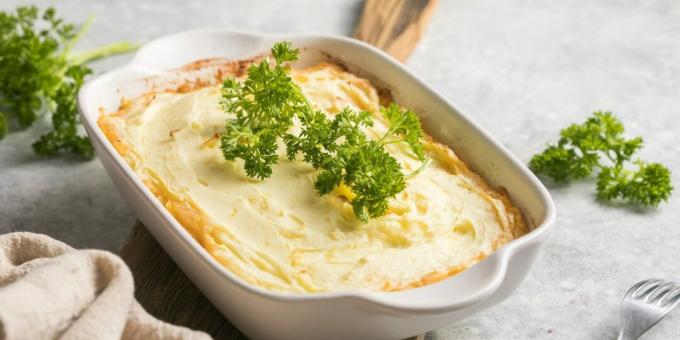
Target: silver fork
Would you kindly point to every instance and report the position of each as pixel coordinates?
(645, 304)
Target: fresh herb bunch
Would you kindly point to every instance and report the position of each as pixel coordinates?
(343, 153)
(265, 107)
(40, 73)
(599, 144)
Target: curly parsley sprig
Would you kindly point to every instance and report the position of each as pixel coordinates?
(599, 144)
(265, 106)
(40, 73)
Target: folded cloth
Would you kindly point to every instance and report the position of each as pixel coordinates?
(49, 290)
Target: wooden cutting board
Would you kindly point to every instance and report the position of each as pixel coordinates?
(160, 286)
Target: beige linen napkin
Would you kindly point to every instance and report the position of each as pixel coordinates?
(49, 290)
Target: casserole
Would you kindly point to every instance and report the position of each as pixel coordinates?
(346, 314)
(445, 219)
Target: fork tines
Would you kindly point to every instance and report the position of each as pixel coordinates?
(660, 292)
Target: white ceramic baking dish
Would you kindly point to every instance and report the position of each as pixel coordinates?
(263, 314)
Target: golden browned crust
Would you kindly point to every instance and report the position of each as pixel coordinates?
(196, 222)
(456, 166)
(516, 225)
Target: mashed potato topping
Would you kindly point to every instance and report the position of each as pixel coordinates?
(279, 233)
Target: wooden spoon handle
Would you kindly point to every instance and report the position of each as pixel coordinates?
(394, 26)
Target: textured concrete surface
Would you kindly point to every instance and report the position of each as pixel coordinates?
(523, 69)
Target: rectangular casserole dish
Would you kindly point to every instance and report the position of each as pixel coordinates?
(263, 314)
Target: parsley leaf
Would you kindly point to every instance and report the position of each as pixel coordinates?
(284, 52)
(374, 176)
(404, 127)
(649, 185)
(4, 127)
(64, 135)
(40, 74)
(599, 144)
(265, 107)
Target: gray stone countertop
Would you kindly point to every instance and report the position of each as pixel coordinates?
(522, 69)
